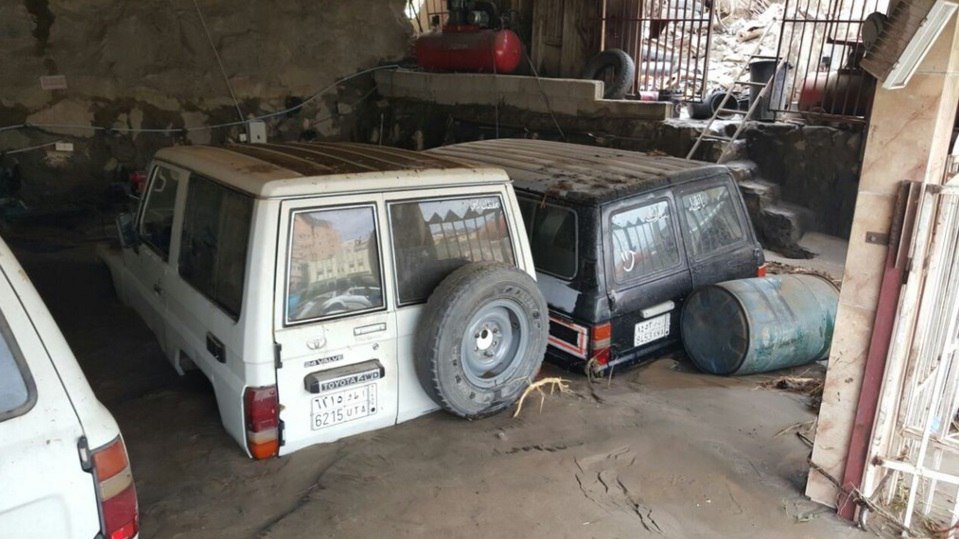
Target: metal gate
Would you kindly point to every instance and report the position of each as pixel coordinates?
(911, 484)
(822, 43)
(668, 39)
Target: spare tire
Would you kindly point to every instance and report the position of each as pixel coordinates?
(623, 67)
(481, 339)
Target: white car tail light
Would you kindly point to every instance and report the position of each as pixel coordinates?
(262, 410)
(119, 514)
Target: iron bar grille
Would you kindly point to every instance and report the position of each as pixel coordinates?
(421, 13)
(668, 39)
(821, 41)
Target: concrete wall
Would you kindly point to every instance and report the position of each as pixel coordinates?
(148, 64)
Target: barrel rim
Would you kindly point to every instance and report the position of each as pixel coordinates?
(682, 327)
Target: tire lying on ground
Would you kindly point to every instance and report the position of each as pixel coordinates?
(481, 339)
(624, 70)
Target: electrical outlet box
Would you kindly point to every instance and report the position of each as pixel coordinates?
(256, 132)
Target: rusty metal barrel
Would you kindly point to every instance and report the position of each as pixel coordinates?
(757, 325)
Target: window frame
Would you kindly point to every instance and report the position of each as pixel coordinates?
(6, 333)
(389, 222)
(165, 257)
(687, 230)
(537, 206)
(192, 174)
(291, 216)
(607, 217)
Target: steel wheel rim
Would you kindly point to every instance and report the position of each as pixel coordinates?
(496, 335)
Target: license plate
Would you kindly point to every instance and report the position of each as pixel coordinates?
(345, 405)
(651, 330)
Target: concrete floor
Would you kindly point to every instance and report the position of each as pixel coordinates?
(660, 450)
(830, 255)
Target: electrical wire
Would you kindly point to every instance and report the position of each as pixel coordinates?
(219, 61)
(549, 107)
(30, 148)
(192, 129)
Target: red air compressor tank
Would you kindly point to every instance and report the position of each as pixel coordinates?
(470, 48)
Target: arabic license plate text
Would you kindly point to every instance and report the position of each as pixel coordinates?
(651, 330)
(344, 405)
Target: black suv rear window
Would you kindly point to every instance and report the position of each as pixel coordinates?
(643, 241)
(432, 238)
(553, 238)
(712, 220)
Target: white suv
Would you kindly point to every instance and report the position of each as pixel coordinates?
(64, 470)
(332, 289)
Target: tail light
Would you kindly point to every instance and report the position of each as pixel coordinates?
(118, 496)
(262, 409)
(761, 271)
(600, 342)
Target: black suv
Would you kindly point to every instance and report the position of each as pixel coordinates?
(619, 239)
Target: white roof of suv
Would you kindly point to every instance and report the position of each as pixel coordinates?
(299, 169)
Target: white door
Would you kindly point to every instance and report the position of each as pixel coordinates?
(149, 263)
(46, 493)
(431, 235)
(335, 327)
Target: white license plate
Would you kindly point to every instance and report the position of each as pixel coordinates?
(344, 405)
(651, 330)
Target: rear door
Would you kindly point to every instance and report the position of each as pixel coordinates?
(336, 331)
(719, 242)
(432, 234)
(45, 491)
(647, 272)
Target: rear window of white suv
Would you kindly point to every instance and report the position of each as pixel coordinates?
(16, 386)
(432, 238)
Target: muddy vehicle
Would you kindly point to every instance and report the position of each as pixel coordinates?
(332, 289)
(65, 470)
(619, 239)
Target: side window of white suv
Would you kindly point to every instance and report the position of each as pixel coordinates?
(216, 232)
(17, 392)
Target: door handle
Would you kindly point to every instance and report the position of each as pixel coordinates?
(215, 347)
(371, 328)
(157, 288)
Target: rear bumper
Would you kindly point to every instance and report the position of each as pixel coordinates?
(618, 362)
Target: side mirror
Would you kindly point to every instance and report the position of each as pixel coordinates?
(126, 232)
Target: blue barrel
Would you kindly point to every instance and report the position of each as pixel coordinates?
(762, 324)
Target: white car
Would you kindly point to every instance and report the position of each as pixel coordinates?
(332, 289)
(64, 470)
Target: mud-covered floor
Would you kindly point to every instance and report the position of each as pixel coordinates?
(660, 450)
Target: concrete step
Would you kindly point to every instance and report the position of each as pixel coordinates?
(758, 194)
(781, 225)
(743, 169)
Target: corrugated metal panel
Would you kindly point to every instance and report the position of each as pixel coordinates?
(576, 171)
(322, 159)
(250, 167)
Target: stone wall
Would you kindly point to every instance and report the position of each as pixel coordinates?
(147, 64)
(815, 167)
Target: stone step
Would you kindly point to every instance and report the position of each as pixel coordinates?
(781, 225)
(758, 194)
(743, 169)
